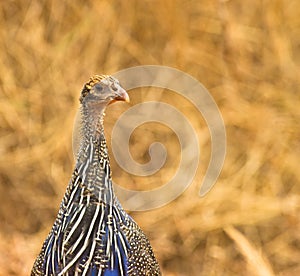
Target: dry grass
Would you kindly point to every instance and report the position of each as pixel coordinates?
(245, 52)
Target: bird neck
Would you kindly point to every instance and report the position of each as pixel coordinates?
(93, 148)
(92, 165)
(92, 122)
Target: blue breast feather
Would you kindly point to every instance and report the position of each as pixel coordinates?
(58, 256)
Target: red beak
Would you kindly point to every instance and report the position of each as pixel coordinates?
(120, 95)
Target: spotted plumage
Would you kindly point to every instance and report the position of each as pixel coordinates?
(92, 234)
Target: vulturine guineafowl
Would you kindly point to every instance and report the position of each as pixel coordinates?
(92, 234)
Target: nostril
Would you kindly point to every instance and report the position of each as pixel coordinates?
(114, 87)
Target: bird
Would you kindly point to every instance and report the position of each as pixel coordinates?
(92, 234)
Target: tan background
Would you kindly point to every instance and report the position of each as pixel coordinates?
(247, 53)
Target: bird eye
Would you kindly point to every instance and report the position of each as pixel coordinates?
(98, 87)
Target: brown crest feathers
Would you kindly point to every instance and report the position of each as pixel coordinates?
(91, 82)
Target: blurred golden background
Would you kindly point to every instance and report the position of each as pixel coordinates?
(247, 53)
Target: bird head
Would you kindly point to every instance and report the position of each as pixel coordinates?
(104, 90)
